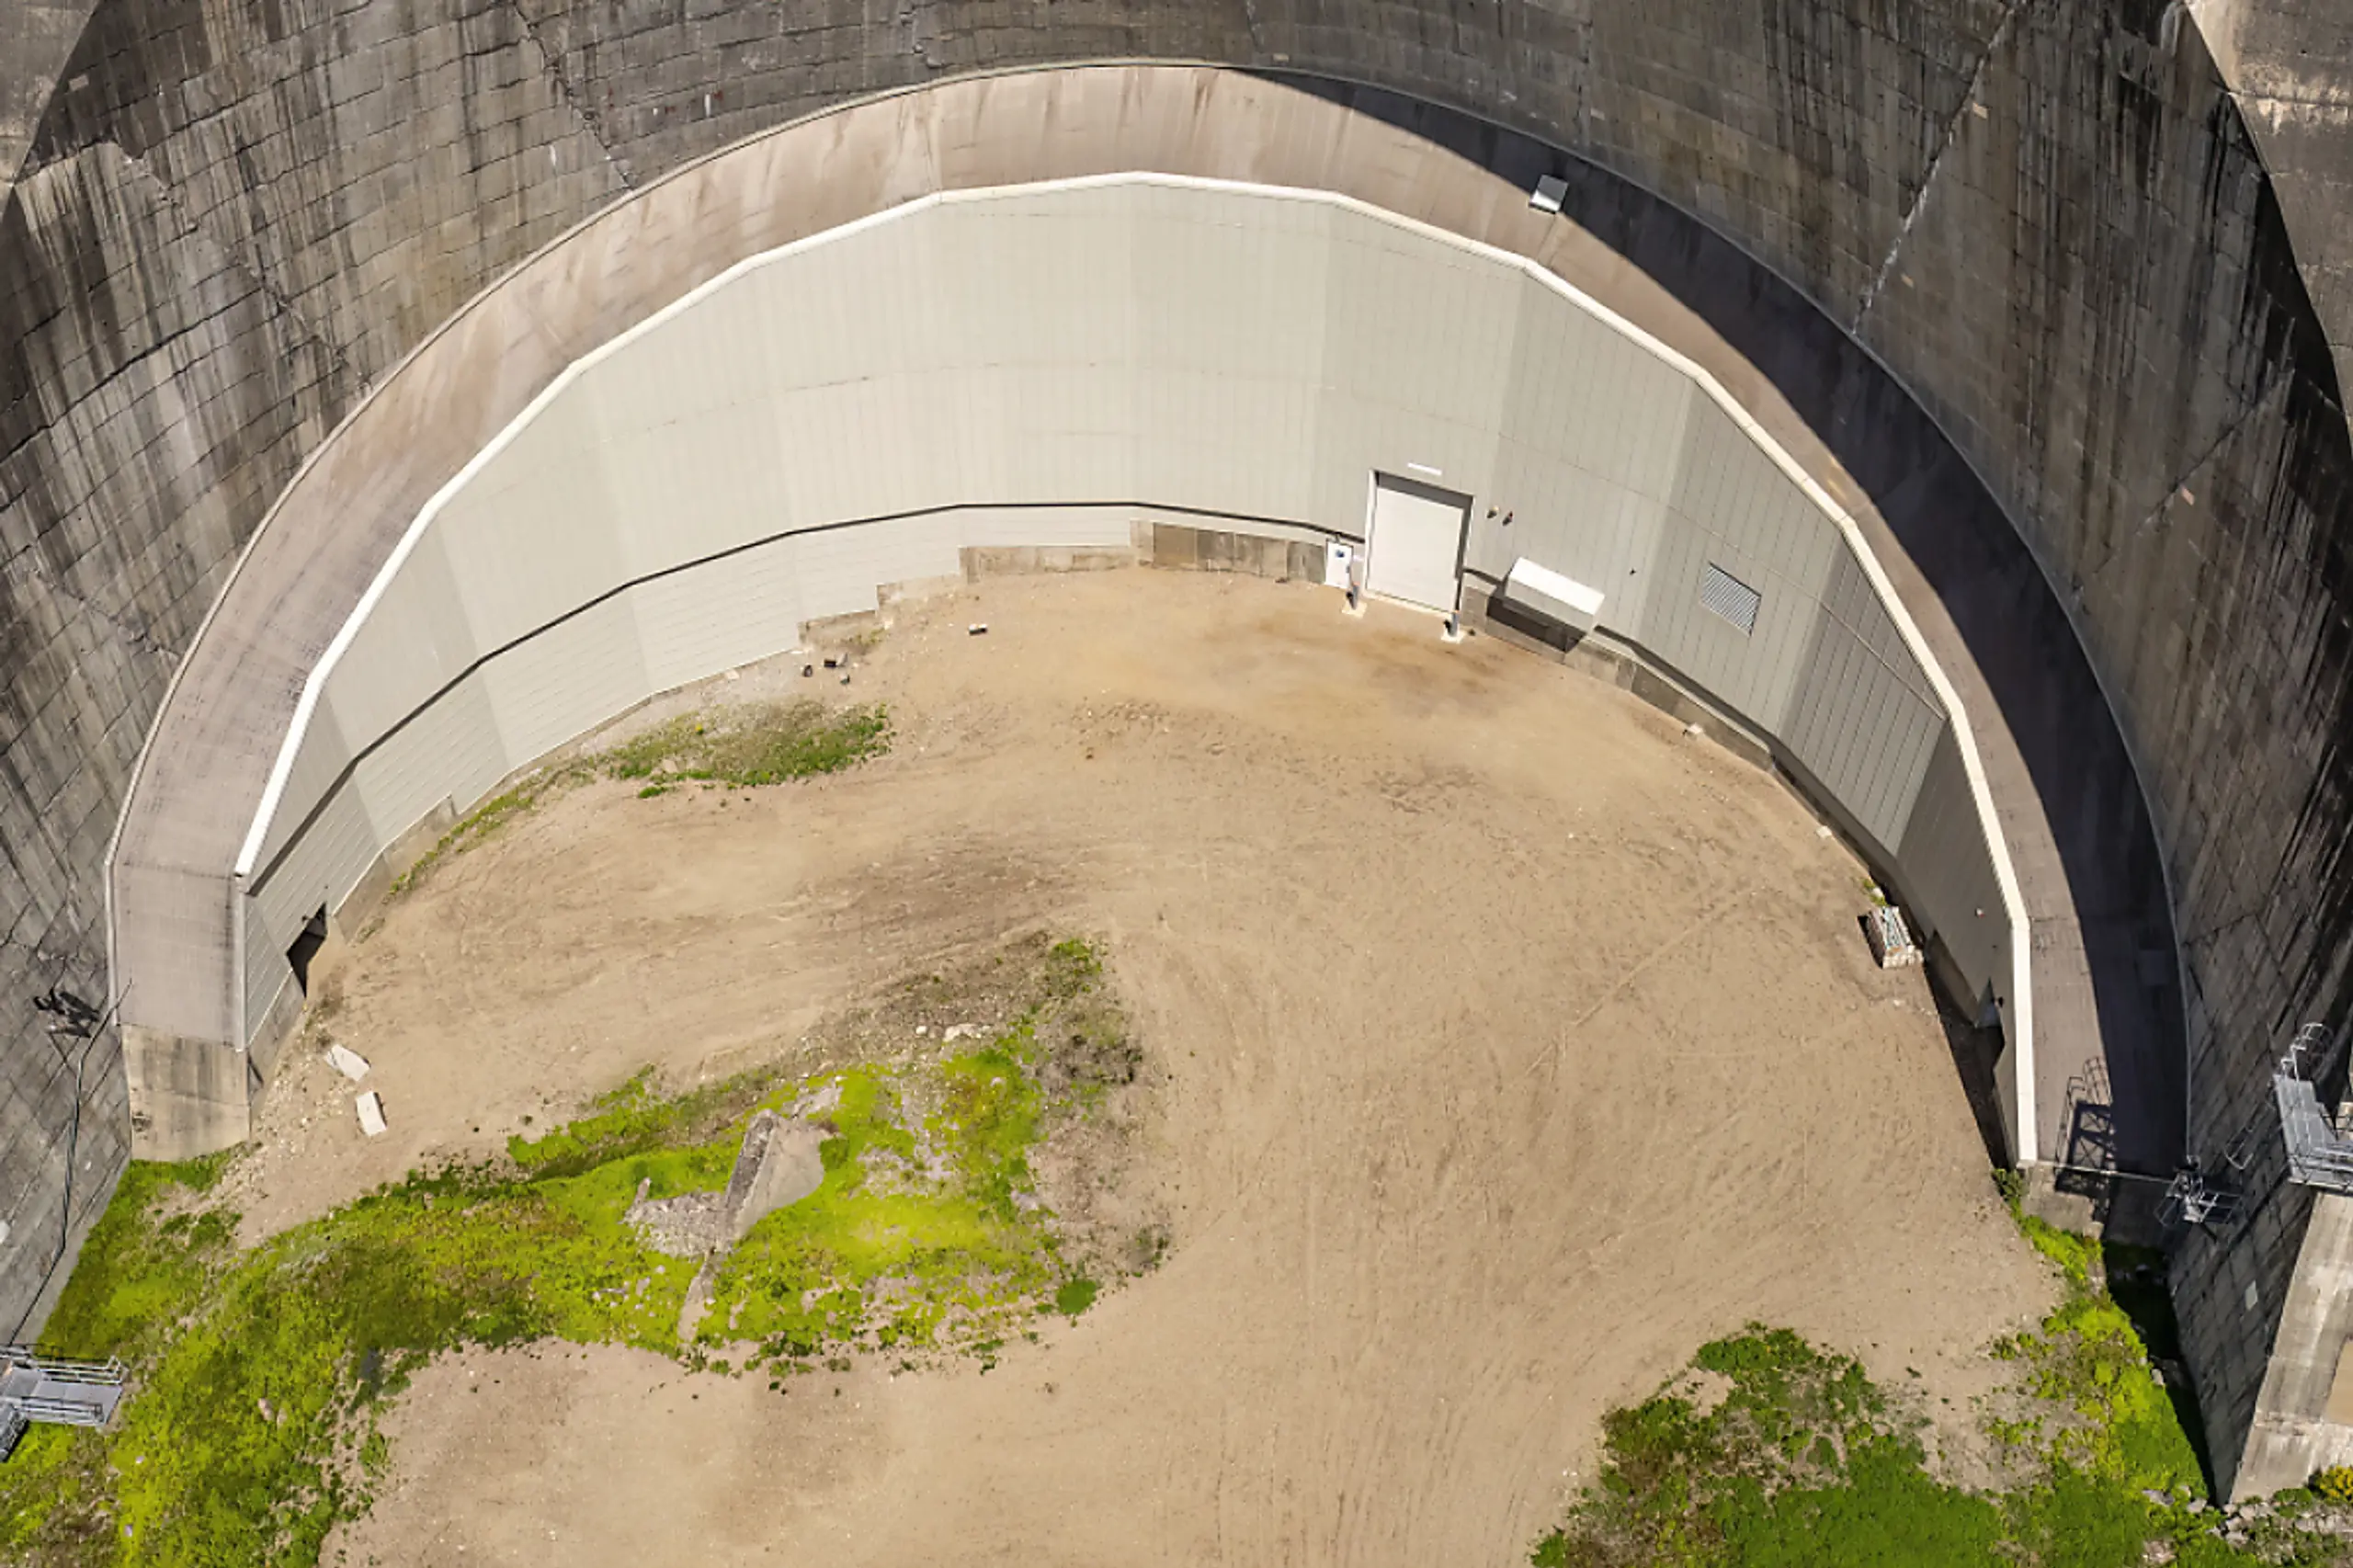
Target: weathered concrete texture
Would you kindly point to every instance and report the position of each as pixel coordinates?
(39, 1082)
(2290, 66)
(35, 38)
(187, 1097)
(238, 214)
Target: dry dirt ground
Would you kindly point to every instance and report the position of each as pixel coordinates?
(1517, 1043)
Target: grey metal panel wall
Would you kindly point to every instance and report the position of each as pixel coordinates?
(714, 616)
(548, 689)
(1732, 507)
(1229, 394)
(1861, 716)
(1947, 874)
(1054, 354)
(1592, 434)
(534, 534)
(1416, 363)
(450, 751)
(418, 633)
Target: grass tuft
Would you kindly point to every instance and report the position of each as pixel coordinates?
(742, 747)
(750, 747)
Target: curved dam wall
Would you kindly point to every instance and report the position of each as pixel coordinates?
(1057, 367)
(2051, 224)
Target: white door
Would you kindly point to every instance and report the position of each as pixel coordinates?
(1416, 543)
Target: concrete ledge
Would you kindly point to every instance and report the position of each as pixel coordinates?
(1491, 614)
(1019, 560)
(1177, 547)
(187, 1097)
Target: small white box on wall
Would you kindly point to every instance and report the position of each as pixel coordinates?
(1547, 593)
(1339, 560)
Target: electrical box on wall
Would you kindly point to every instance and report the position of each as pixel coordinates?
(1339, 560)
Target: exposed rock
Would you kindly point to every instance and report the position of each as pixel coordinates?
(778, 1164)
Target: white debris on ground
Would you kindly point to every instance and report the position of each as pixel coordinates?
(371, 1114)
(347, 1062)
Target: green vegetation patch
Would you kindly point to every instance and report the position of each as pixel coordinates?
(2103, 1408)
(259, 1377)
(752, 747)
(745, 747)
(1770, 1451)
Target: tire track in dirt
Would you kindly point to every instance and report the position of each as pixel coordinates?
(1460, 1151)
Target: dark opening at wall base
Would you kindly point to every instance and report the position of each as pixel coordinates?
(305, 948)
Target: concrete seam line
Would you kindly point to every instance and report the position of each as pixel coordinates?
(2020, 1012)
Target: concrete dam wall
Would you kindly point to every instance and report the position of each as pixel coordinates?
(2050, 226)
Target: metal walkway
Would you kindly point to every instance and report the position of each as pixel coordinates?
(34, 1387)
(2319, 1153)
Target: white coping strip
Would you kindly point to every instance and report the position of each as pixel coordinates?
(1546, 581)
(2020, 1014)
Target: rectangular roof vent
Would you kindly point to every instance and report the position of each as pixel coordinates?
(1730, 597)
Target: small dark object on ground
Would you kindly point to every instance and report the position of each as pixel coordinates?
(978, 628)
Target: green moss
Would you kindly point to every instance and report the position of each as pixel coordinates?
(638, 1118)
(924, 1232)
(744, 747)
(1800, 1462)
(2119, 1423)
(136, 1276)
(752, 747)
(259, 1377)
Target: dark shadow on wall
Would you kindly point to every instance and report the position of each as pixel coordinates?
(1965, 549)
(1976, 1059)
(1536, 628)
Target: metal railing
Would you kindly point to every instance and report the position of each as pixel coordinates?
(63, 1390)
(2318, 1154)
(63, 1411)
(63, 1368)
(2192, 1199)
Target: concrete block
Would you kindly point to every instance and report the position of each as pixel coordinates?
(1553, 595)
(187, 1097)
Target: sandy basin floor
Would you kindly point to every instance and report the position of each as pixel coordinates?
(1516, 1043)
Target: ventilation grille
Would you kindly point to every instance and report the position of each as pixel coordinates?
(1730, 597)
